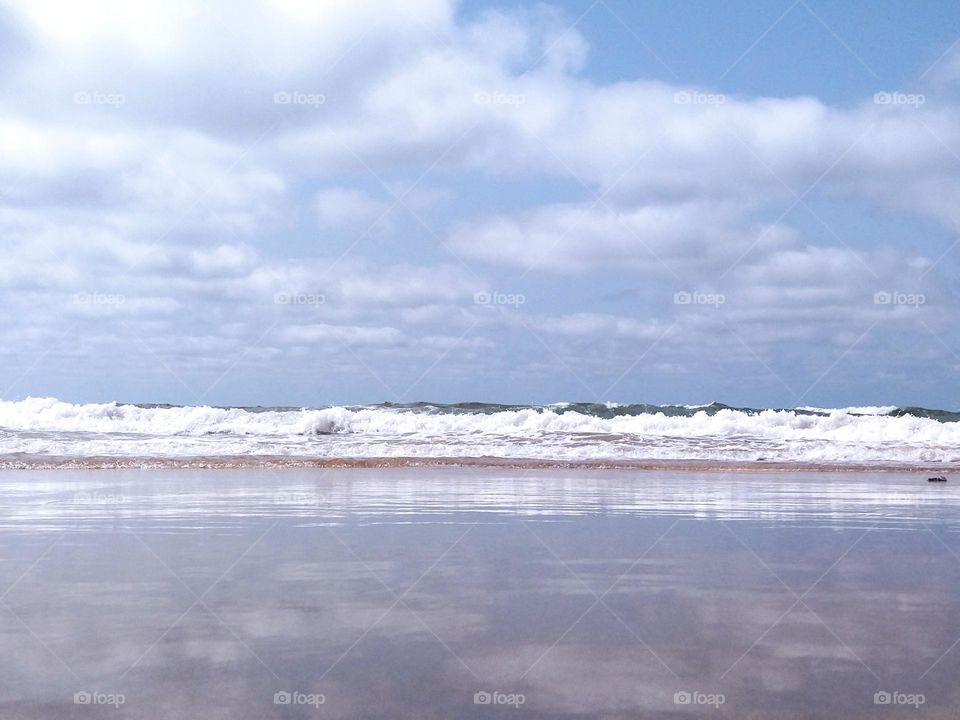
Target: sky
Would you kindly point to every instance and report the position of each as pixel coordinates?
(277, 202)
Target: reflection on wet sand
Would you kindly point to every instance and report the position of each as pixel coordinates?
(427, 593)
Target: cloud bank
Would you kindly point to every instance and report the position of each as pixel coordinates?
(303, 203)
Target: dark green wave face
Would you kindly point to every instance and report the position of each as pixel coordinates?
(612, 410)
(604, 410)
(932, 414)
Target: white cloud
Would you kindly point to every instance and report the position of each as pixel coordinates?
(662, 238)
(188, 196)
(598, 325)
(344, 334)
(348, 209)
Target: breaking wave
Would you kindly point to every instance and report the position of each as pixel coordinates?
(561, 431)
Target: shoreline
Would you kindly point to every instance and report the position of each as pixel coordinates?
(372, 463)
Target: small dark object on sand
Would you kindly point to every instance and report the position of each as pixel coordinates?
(938, 478)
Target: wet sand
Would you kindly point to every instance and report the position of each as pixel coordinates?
(427, 592)
(274, 462)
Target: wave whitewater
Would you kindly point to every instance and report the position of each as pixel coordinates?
(38, 428)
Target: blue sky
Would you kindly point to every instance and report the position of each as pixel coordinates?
(278, 202)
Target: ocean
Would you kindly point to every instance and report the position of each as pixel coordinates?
(46, 431)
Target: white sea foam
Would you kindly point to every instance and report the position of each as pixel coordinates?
(45, 426)
(854, 410)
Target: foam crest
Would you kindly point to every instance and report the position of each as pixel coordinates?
(46, 426)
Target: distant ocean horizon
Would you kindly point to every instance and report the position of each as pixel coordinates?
(38, 429)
